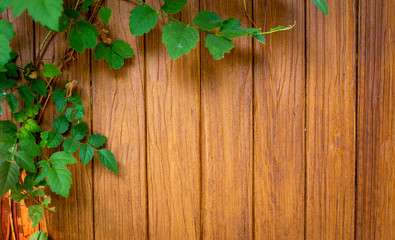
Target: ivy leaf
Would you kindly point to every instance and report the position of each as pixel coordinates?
(122, 49)
(25, 161)
(60, 124)
(59, 180)
(59, 96)
(102, 50)
(39, 235)
(322, 6)
(12, 101)
(74, 98)
(39, 87)
(97, 140)
(26, 94)
(231, 28)
(7, 142)
(54, 139)
(142, 18)
(72, 13)
(20, 116)
(84, 34)
(9, 176)
(5, 52)
(86, 153)
(179, 38)
(108, 160)
(218, 45)
(32, 126)
(105, 14)
(6, 29)
(36, 214)
(8, 127)
(79, 111)
(79, 130)
(6, 83)
(114, 60)
(207, 20)
(64, 23)
(70, 145)
(62, 158)
(86, 4)
(4, 4)
(51, 71)
(173, 6)
(45, 166)
(30, 147)
(68, 114)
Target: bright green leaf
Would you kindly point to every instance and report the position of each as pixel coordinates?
(207, 20)
(142, 18)
(173, 6)
(105, 14)
(47, 12)
(86, 153)
(45, 166)
(79, 111)
(6, 28)
(30, 147)
(70, 145)
(59, 180)
(62, 158)
(32, 110)
(4, 4)
(32, 126)
(17, 197)
(39, 235)
(51, 71)
(122, 49)
(231, 28)
(79, 130)
(97, 140)
(218, 45)
(108, 160)
(25, 161)
(179, 38)
(23, 133)
(9, 176)
(60, 124)
(20, 116)
(44, 139)
(59, 97)
(36, 214)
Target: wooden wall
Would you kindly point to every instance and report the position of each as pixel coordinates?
(294, 139)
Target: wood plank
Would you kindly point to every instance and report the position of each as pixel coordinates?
(173, 115)
(376, 121)
(227, 160)
(330, 121)
(279, 73)
(4, 217)
(118, 113)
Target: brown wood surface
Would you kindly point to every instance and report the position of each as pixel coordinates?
(173, 115)
(376, 121)
(279, 122)
(120, 209)
(330, 121)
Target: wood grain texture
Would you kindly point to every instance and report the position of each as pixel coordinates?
(330, 121)
(173, 117)
(227, 160)
(118, 113)
(376, 121)
(4, 217)
(279, 122)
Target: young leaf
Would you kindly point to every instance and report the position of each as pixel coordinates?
(9, 175)
(179, 38)
(84, 34)
(60, 124)
(20, 116)
(30, 147)
(36, 214)
(122, 49)
(26, 94)
(231, 28)
(322, 6)
(142, 18)
(260, 38)
(108, 160)
(25, 161)
(70, 145)
(105, 14)
(62, 158)
(54, 139)
(218, 45)
(51, 71)
(12, 101)
(47, 12)
(97, 140)
(32, 126)
(32, 110)
(79, 130)
(71, 13)
(23, 133)
(8, 127)
(39, 235)
(173, 6)
(39, 87)
(86, 153)
(59, 180)
(207, 20)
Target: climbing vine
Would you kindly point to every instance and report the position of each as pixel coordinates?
(26, 168)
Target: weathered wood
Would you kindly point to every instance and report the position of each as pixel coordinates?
(227, 160)
(330, 121)
(118, 113)
(279, 122)
(173, 115)
(4, 218)
(376, 121)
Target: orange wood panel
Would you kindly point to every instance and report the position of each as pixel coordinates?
(330, 120)
(376, 121)
(120, 210)
(279, 78)
(227, 121)
(173, 117)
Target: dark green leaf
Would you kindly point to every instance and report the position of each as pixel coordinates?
(7, 142)
(102, 50)
(36, 214)
(84, 34)
(17, 197)
(71, 13)
(12, 102)
(70, 145)
(5, 52)
(86, 4)
(114, 60)
(142, 18)
(173, 6)
(97, 140)
(50, 70)
(8, 127)
(86, 153)
(207, 20)
(322, 6)
(179, 38)
(74, 98)
(12, 69)
(105, 14)
(62, 158)
(26, 94)
(79, 111)
(59, 180)
(108, 160)
(218, 45)
(6, 83)
(54, 139)
(32, 126)
(122, 49)
(79, 130)
(39, 87)
(25, 161)
(260, 38)
(30, 147)
(60, 124)
(9, 176)
(64, 23)
(39, 235)
(59, 97)
(28, 182)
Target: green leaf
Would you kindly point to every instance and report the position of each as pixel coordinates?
(32, 110)
(179, 38)
(218, 45)
(32, 126)
(38, 192)
(44, 139)
(4, 4)
(102, 50)
(68, 114)
(25, 161)
(79, 130)
(207, 20)
(17, 197)
(45, 166)
(60, 124)
(97, 140)
(71, 13)
(36, 214)
(7, 142)
(84, 34)
(59, 97)
(39, 235)
(260, 38)
(64, 23)
(26, 94)
(59, 180)
(8, 127)
(39, 87)
(173, 6)
(54, 139)
(12, 69)
(6, 29)
(231, 28)
(51, 71)
(70, 145)
(114, 60)
(47, 12)
(7, 83)
(86, 4)
(105, 14)
(108, 160)
(9, 176)
(20, 116)
(62, 158)
(5, 52)
(23, 133)
(86, 153)
(122, 49)
(322, 6)
(142, 18)
(30, 147)
(74, 98)
(79, 111)
(12, 102)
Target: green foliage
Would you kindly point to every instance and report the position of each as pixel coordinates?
(108, 160)
(173, 6)
(50, 70)
(82, 35)
(36, 214)
(39, 235)
(6, 33)
(179, 38)
(207, 21)
(105, 14)
(322, 6)
(97, 140)
(86, 153)
(218, 45)
(142, 18)
(114, 53)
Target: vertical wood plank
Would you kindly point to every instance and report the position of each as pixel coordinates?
(173, 115)
(331, 117)
(118, 113)
(226, 106)
(376, 121)
(279, 74)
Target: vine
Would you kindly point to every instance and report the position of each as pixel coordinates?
(25, 169)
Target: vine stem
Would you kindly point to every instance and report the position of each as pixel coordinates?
(45, 39)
